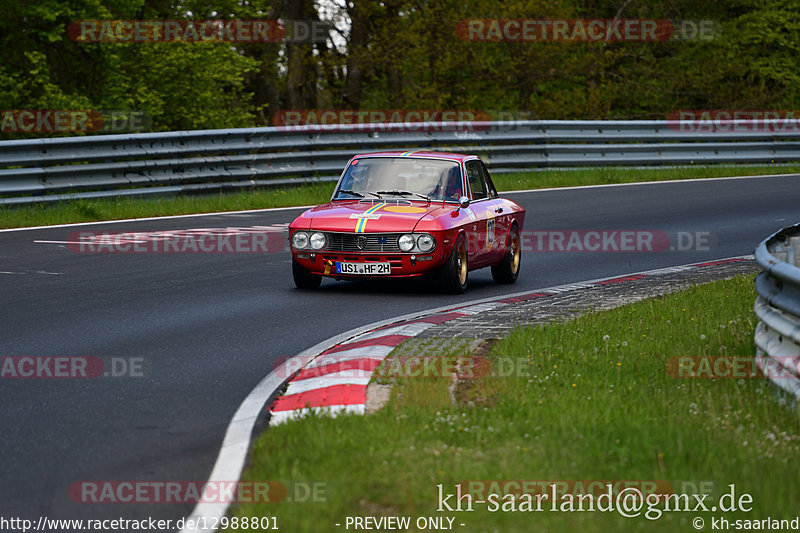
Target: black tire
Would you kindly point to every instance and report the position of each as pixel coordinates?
(454, 275)
(303, 278)
(507, 270)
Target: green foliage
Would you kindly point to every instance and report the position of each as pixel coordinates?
(399, 54)
(179, 85)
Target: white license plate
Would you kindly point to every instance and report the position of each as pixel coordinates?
(364, 269)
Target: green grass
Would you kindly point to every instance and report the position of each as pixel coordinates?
(577, 407)
(122, 208)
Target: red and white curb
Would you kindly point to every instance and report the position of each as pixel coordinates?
(350, 396)
(335, 381)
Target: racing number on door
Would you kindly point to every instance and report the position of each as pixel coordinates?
(489, 232)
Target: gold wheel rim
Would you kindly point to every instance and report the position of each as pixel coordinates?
(515, 253)
(462, 265)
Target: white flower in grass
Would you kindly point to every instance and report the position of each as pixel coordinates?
(702, 337)
(606, 337)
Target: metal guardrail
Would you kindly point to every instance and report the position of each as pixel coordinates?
(41, 170)
(777, 307)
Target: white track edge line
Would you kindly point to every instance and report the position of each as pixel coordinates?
(236, 444)
(654, 182)
(165, 217)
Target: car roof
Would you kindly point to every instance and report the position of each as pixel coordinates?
(420, 154)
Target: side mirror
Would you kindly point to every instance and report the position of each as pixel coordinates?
(463, 202)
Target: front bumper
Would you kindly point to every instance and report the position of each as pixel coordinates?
(403, 265)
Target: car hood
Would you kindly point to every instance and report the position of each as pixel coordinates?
(367, 217)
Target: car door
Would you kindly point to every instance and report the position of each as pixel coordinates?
(501, 218)
(484, 203)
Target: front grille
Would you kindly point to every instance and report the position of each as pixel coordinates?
(372, 242)
(395, 260)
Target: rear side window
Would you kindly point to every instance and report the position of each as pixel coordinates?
(477, 182)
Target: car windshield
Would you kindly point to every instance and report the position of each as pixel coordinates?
(405, 177)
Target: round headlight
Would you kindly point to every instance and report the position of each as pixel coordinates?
(425, 243)
(300, 240)
(406, 242)
(317, 240)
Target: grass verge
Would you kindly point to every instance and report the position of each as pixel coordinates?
(588, 399)
(123, 208)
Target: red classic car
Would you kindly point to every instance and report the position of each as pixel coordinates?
(406, 214)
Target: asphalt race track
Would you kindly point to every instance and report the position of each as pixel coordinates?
(206, 327)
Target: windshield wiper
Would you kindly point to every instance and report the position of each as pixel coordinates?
(348, 191)
(404, 193)
(375, 194)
